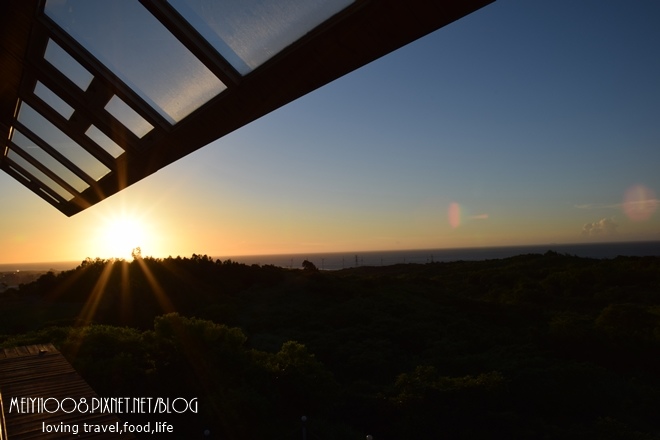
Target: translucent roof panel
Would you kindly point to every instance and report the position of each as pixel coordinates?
(53, 100)
(127, 116)
(19, 173)
(65, 63)
(137, 48)
(66, 146)
(34, 171)
(103, 141)
(48, 161)
(249, 32)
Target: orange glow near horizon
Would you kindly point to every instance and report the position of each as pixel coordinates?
(236, 229)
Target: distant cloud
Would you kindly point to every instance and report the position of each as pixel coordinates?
(603, 227)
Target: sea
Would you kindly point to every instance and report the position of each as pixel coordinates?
(343, 260)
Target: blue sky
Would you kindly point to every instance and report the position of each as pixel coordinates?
(526, 122)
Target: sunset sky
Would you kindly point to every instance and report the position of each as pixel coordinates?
(526, 122)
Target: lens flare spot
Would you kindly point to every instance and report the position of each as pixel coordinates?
(454, 215)
(639, 203)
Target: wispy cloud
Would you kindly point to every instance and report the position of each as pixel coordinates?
(603, 227)
(599, 206)
(639, 204)
(457, 215)
(640, 210)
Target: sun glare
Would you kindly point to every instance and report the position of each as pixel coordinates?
(120, 235)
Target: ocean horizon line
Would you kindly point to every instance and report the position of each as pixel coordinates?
(345, 259)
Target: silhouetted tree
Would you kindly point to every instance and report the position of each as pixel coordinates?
(136, 253)
(309, 266)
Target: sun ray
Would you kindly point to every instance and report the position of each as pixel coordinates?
(90, 307)
(162, 298)
(126, 309)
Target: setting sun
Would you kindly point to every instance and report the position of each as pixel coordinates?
(120, 235)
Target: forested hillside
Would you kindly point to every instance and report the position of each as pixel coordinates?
(536, 346)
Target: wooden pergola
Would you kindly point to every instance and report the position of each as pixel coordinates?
(77, 157)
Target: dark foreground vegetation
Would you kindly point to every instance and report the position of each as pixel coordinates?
(531, 347)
